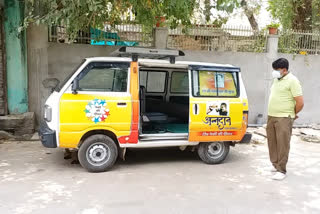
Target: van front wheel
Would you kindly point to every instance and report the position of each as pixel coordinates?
(98, 153)
(213, 152)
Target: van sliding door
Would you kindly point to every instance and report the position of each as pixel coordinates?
(216, 109)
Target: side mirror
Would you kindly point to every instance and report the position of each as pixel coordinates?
(75, 86)
(51, 83)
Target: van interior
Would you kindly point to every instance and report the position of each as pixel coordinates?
(164, 101)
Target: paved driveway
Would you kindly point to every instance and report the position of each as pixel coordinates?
(34, 180)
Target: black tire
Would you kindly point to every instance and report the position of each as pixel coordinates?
(213, 152)
(98, 153)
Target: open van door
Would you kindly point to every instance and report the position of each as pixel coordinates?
(216, 109)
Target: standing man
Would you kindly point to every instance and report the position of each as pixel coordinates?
(285, 102)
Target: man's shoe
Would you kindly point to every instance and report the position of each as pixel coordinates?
(279, 176)
(271, 169)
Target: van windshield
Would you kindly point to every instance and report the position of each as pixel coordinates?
(60, 86)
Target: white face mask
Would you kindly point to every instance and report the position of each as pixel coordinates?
(276, 74)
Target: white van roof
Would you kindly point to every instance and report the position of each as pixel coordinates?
(158, 61)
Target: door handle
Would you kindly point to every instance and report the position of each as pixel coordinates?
(195, 109)
(122, 104)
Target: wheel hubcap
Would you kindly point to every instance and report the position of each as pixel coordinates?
(98, 154)
(215, 149)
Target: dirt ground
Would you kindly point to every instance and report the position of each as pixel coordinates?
(34, 179)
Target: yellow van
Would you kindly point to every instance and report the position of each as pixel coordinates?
(139, 99)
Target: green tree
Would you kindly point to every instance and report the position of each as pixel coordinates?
(250, 9)
(316, 15)
(296, 14)
(80, 14)
(250, 13)
(77, 15)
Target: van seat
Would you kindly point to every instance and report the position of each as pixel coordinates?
(149, 116)
(155, 117)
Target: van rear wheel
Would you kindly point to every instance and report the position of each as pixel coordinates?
(98, 153)
(213, 152)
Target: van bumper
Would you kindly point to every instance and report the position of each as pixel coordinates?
(246, 138)
(47, 136)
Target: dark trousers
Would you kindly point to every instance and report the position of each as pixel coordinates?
(279, 130)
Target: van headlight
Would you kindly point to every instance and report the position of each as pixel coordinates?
(47, 113)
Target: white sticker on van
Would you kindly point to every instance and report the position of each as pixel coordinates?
(97, 111)
(218, 108)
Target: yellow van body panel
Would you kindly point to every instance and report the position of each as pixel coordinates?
(245, 104)
(80, 113)
(207, 126)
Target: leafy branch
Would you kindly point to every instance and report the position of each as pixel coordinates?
(77, 15)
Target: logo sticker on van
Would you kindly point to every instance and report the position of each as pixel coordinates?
(97, 111)
(218, 108)
(218, 113)
(221, 122)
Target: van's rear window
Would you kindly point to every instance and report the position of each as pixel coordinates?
(215, 83)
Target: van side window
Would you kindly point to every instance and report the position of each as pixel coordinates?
(154, 81)
(215, 84)
(104, 77)
(179, 82)
(143, 78)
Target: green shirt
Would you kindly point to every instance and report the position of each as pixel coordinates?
(281, 100)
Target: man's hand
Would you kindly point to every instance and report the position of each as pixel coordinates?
(296, 117)
(299, 104)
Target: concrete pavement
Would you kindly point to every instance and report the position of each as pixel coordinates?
(35, 180)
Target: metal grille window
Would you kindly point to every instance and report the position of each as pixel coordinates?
(118, 35)
(210, 38)
(299, 42)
